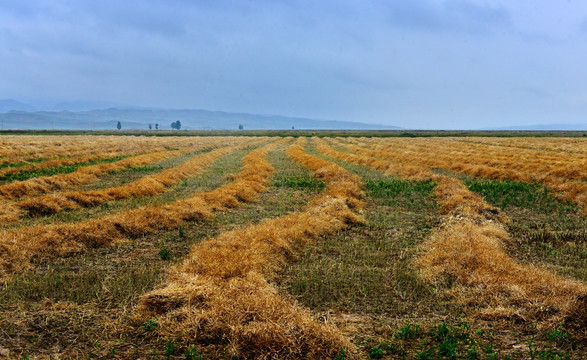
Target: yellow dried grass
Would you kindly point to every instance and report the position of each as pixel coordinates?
(18, 246)
(148, 185)
(468, 247)
(221, 293)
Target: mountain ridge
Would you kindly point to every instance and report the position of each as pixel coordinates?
(191, 119)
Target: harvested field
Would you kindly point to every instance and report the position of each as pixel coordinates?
(233, 247)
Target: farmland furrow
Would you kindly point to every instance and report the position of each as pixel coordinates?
(18, 246)
(567, 189)
(468, 247)
(221, 293)
(21, 149)
(145, 186)
(442, 151)
(85, 175)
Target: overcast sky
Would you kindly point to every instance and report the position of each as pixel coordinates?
(410, 63)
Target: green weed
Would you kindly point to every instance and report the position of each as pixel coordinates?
(65, 169)
(164, 254)
(299, 182)
(507, 193)
(151, 324)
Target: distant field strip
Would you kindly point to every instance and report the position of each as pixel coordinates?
(18, 246)
(221, 293)
(469, 247)
(520, 169)
(87, 174)
(22, 149)
(145, 186)
(568, 145)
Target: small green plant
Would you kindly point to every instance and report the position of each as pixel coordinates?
(181, 232)
(376, 352)
(409, 331)
(164, 254)
(425, 354)
(558, 335)
(170, 349)
(472, 354)
(341, 356)
(151, 324)
(192, 354)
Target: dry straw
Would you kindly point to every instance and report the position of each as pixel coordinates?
(18, 246)
(220, 294)
(148, 185)
(468, 247)
(562, 177)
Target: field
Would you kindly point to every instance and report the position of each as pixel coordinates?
(281, 247)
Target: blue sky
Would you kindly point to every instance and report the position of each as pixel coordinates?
(417, 64)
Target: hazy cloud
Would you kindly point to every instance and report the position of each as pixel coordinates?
(422, 63)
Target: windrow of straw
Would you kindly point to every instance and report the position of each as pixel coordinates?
(468, 248)
(390, 168)
(67, 161)
(87, 174)
(21, 148)
(221, 296)
(94, 151)
(571, 145)
(19, 246)
(432, 157)
(557, 164)
(145, 186)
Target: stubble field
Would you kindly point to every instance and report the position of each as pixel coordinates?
(259, 247)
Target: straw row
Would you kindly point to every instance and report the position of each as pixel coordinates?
(567, 189)
(468, 247)
(221, 293)
(19, 246)
(146, 186)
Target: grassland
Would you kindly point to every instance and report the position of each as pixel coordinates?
(277, 247)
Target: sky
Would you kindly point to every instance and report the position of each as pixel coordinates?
(429, 64)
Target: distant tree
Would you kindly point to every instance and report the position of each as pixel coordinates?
(119, 126)
(240, 126)
(156, 126)
(292, 127)
(176, 125)
(150, 127)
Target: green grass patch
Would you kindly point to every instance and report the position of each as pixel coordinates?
(410, 194)
(27, 162)
(299, 182)
(65, 169)
(144, 169)
(507, 193)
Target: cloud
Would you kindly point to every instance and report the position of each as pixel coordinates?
(449, 16)
(407, 63)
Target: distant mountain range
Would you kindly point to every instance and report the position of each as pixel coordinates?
(16, 115)
(546, 127)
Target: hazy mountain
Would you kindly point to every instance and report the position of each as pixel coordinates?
(538, 127)
(190, 119)
(13, 105)
(83, 105)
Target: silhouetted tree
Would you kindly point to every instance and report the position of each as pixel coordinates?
(156, 126)
(150, 127)
(119, 126)
(176, 125)
(240, 126)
